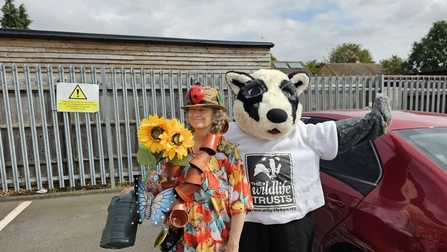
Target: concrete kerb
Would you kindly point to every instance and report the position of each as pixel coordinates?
(116, 190)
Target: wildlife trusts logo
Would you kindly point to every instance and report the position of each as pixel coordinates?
(270, 171)
(271, 181)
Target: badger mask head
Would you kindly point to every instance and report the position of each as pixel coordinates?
(266, 104)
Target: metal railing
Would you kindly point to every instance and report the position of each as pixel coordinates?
(44, 148)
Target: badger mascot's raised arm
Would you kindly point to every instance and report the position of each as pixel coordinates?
(281, 155)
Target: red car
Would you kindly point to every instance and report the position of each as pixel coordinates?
(389, 194)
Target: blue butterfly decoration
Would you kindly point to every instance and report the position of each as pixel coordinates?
(150, 207)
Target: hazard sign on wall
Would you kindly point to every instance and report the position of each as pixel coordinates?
(78, 94)
(77, 97)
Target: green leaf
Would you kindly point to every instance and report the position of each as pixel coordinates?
(182, 162)
(219, 98)
(145, 157)
(142, 146)
(158, 157)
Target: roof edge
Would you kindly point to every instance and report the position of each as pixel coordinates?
(42, 34)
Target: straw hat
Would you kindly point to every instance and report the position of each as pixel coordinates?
(200, 96)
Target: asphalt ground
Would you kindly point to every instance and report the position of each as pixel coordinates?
(63, 221)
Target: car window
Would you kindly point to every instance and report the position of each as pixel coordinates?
(359, 167)
(313, 120)
(432, 142)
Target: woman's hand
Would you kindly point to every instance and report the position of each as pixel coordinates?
(126, 190)
(232, 247)
(237, 223)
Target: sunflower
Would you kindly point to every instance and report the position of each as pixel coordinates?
(150, 131)
(176, 141)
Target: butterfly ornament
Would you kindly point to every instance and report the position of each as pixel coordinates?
(153, 208)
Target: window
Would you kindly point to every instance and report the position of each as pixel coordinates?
(432, 142)
(280, 65)
(359, 167)
(295, 65)
(313, 120)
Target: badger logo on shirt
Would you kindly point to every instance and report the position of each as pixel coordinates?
(271, 181)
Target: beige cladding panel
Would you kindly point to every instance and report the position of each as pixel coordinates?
(128, 55)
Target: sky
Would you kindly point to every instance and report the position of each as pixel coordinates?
(303, 30)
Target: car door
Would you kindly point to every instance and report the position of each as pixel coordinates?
(346, 181)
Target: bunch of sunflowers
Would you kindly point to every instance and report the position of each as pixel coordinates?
(162, 138)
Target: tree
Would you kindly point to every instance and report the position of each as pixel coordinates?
(314, 66)
(272, 58)
(431, 52)
(393, 65)
(341, 53)
(13, 17)
(23, 17)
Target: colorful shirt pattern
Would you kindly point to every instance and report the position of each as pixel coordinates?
(224, 192)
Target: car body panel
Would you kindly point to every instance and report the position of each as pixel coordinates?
(405, 211)
(401, 119)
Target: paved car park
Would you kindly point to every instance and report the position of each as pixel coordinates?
(62, 222)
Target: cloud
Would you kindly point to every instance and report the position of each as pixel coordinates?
(301, 30)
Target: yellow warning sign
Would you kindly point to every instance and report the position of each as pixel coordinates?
(77, 106)
(77, 94)
(77, 97)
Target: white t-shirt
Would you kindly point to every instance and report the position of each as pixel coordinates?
(284, 173)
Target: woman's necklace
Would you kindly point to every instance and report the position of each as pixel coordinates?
(195, 150)
(193, 153)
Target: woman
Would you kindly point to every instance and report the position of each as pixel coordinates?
(217, 205)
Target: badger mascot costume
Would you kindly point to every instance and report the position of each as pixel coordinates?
(281, 155)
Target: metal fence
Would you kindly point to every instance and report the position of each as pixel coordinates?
(43, 148)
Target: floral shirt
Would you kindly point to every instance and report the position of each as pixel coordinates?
(224, 192)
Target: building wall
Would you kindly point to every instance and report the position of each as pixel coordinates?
(131, 55)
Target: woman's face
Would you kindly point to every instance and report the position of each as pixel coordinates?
(201, 118)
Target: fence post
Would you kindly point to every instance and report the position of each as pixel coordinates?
(108, 127)
(380, 87)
